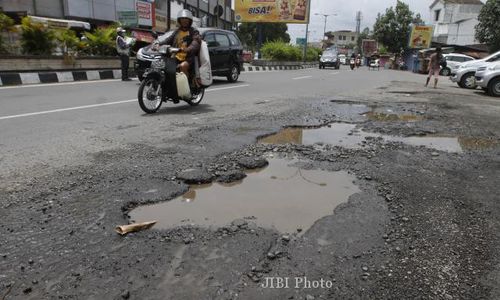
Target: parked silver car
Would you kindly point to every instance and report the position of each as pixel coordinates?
(488, 78)
(452, 61)
(464, 74)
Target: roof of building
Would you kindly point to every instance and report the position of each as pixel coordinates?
(477, 2)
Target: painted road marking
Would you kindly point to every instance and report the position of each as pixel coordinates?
(101, 104)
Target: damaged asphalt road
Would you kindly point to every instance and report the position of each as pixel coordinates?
(423, 224)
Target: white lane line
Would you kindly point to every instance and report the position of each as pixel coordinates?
(227, 88)
(335, 73)
(102, 104)
(303, 77)
(57, 84)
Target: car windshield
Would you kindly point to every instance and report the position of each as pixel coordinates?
(329, 54)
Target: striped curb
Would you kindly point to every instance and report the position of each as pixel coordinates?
(276, 68)
(9, 79)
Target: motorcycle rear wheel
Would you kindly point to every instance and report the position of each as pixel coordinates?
(197, 97)
(149, 95)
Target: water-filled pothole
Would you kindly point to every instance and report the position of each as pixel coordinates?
(279, 196)
(347, 136)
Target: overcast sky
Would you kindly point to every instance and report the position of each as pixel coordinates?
(346, 15)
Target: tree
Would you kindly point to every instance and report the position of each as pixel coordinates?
(392, 29)
(36, 38)
(247, 32)
(6, 24)
(488, 31)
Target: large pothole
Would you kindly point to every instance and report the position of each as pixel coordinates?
(280, 196)
(348, 136)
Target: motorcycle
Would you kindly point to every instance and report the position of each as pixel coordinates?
(352, 63)
(358, 62)
(163, 83)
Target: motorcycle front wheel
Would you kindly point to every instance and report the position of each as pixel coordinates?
(149, 95)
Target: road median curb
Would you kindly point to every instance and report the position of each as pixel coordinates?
(22, 78)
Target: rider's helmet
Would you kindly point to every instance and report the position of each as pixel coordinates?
(185, 14)
(120, 30)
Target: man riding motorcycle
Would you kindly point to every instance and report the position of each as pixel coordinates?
(187, 39)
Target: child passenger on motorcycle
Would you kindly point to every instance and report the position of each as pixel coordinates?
(187, 39)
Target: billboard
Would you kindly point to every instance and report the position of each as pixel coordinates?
(127, 18)
(272, 11)
(145, 13)
(421, 37)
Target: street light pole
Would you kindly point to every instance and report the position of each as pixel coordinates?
(326, 18)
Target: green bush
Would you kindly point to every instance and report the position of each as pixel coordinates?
(68, 41)
(101, 42)
(281, 51)
(313, 54)
(6, 24)
(36, 38)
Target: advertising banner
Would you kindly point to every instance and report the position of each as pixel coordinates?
(421, 37)
(272, 11)
(161, 22)
(127, 18)
(145, 13)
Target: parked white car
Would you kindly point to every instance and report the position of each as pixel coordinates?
(453, 60)
(488, 78)
(464, 74)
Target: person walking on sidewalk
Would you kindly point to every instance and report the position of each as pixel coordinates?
(435, 67)
(123, 49)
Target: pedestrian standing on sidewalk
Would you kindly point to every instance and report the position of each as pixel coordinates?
(123, 49)
(434, 67)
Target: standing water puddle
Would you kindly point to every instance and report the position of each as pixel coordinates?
(280, 196)
(345, 135)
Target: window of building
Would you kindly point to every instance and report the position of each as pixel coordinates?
(437, 13)
(352, 38)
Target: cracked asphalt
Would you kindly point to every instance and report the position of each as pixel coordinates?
(423, 225)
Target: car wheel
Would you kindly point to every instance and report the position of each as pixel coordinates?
(494, 87)
(234, 74)
(468, 81)
(445, 72)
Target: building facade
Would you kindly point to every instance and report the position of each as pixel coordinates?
(342, 38)
(139, 15)
(454, 21)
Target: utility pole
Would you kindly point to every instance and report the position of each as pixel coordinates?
(305, 45)
(326, 18)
